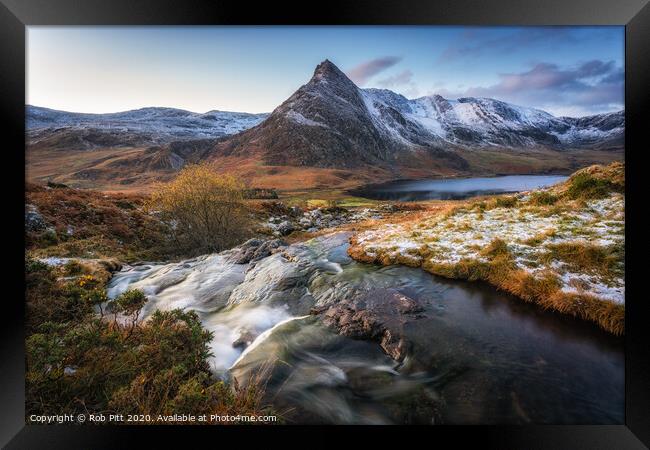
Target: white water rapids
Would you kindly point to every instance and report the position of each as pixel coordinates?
(474, 355)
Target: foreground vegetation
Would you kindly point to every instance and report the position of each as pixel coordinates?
(89, 224)
(562, 247)
(206, 212)
(86, 357)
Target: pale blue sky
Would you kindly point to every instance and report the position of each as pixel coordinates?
(566, 71)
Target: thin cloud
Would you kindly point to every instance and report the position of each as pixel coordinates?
(591, 87)
(402, 78)
(402, 82)
(363, 72)
(475, 43)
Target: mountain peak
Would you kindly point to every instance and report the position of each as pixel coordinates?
(326, 66)
(327, 70)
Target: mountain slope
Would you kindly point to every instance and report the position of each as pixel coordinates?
(325, 123)
(330, 122)
(483, 122)
(51, 128)
(329, 133)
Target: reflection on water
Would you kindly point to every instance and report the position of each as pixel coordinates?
(476, 354)
(454, 189)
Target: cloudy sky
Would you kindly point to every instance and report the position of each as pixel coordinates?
(572, 71)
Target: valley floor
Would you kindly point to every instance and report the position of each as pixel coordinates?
(561, 247)
(137, 170)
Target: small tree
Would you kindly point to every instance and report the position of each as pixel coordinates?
(130, 303)
(206, 210)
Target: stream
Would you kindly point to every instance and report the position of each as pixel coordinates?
(322, 327)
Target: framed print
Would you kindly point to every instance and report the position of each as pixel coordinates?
(373, 216)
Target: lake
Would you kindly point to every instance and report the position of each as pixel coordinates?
(454, 188)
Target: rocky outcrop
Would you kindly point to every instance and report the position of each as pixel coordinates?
(281, 282)
(320, 218)
(378, 315)
(34, 221)
(254, 249)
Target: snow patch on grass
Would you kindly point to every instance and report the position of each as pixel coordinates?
(528, 231)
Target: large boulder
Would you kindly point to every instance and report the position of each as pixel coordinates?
(34, 221)
(254, 249)
(378, 315)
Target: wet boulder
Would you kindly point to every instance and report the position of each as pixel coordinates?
(379, 315)
(254, 250)
(244, 340)
(278, 280)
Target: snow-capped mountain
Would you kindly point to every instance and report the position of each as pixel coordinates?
(330, 122)
(330, 126)
(485, 122)
(164, 123)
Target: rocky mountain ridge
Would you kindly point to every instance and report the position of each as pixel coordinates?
(330, 122)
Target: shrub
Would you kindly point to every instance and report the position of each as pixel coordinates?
(505, 202)
(130, 302)
(73, 267)
(543, 198)
(49, 237)
(586, 186)
(34, 266)
(207, 210)
(47, 300)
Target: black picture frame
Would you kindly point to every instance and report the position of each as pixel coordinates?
(15, 15)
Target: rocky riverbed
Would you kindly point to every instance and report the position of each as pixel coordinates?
(313, 220)
(348, 342)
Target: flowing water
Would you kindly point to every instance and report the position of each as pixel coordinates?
(454, 188)
(475, 355)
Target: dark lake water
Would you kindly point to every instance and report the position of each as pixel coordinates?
(454, 189)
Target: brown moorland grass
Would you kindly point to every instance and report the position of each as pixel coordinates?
(586, 257)
(93, 224)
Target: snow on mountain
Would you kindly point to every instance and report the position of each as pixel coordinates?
(484, 122)
(170, 122)
(331, 122)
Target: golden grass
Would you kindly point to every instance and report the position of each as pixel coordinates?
(587, 257)
(501, 272)
(543, 291)
(539, 238)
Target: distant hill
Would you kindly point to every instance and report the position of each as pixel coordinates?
(49, 127)
(329, 133)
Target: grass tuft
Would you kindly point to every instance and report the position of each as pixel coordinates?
(589, 258)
